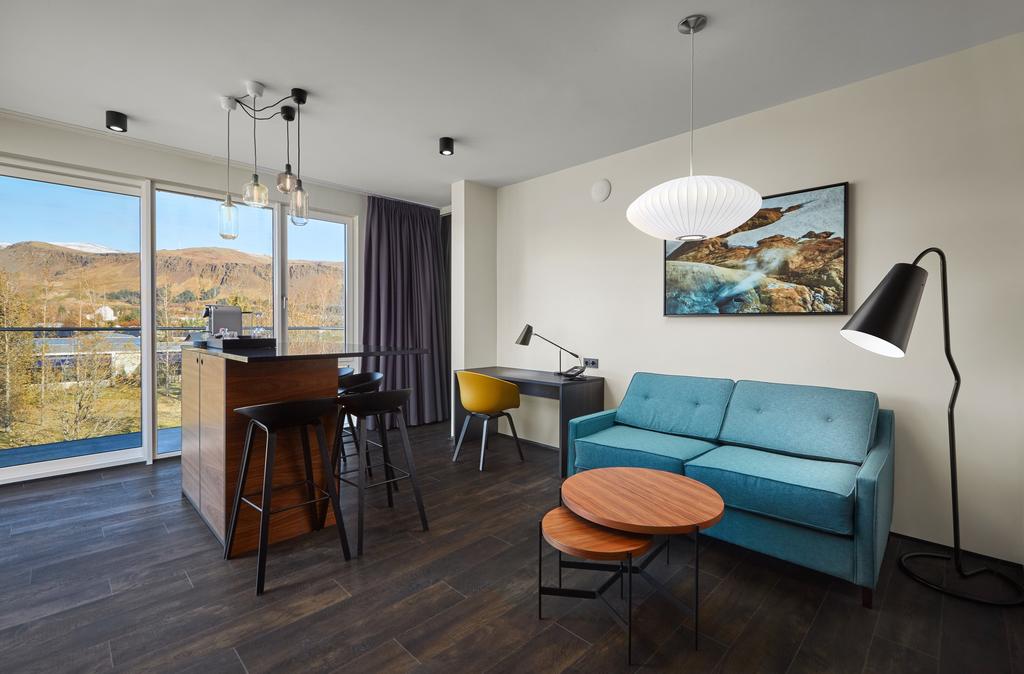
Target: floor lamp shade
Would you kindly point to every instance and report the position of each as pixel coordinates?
(884, 322)
(525, 336)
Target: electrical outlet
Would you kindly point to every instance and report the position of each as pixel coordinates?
(590, 362)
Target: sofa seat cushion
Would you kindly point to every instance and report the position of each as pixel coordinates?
(626, 446)
(814, 493)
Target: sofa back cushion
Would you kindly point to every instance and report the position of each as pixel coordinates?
(811, 421)
(691, 406)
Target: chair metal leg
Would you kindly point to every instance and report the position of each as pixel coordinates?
(243, 473)
(313, 509)
(515, 436)
(268, 489)
(483, 444)
(352, 433)
(462, 436)
(361, 456)
(338, 448)
(411, 467)
(332, 491)
(382, 431)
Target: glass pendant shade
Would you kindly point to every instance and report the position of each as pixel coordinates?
(256, 194)
(228, 219)
(299, 209)
(286, 180)
(693, 208)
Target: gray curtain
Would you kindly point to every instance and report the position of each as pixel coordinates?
(406, 301)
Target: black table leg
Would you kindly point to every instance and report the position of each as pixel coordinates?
(696, 588)
(629, 611)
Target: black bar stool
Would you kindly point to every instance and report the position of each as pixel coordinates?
(349, 384)
(378, 405)
(272, 418)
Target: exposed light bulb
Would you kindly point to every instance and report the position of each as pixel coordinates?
(255, 193)
(228, 219)
(286, 180)
(299, 207)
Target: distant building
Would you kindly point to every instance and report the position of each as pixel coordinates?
(104, 313)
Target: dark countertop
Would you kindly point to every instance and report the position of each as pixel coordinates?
(308, 352)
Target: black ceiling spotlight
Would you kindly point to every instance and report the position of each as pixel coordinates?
(447, 146)
(117, 121)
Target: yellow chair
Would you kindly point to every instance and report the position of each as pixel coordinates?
(486, 398)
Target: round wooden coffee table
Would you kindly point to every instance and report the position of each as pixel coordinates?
(642, 500)
(611, 514)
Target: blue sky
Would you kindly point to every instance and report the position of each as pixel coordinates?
(38, 211)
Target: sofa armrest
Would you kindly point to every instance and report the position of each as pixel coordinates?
(581, 427)
(873, 508)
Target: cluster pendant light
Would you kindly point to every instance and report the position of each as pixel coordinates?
(286, 179)
(255, 193)
(698, 207)
(228, 217)
(298, 206)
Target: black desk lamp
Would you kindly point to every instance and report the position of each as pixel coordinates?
(883, 325)
(524, 340)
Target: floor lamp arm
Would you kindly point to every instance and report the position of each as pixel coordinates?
(950, 422)
(943, 586)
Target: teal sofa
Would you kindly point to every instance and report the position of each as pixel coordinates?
(806, 472)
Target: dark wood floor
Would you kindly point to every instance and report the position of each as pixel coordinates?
(113, 570)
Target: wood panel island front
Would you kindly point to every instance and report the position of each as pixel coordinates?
(214, 384)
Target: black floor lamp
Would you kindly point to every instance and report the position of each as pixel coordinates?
(882, 325)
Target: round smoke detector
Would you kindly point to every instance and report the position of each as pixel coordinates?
(600, 190)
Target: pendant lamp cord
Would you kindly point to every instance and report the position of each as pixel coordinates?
(693, 35)
(254, 171)
(288, 142)
(298, 142)
(227, 176)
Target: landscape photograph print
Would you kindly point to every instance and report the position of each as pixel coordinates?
(788, 259)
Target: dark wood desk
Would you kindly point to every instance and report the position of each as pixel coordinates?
(576, 398)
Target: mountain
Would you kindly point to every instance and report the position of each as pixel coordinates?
(86, 247)
(65, 283)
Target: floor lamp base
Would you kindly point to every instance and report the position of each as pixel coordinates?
(1016, 586)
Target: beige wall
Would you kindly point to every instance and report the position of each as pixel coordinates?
(935, 156)
(474, 280)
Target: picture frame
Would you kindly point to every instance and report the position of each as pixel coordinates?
(767, 266)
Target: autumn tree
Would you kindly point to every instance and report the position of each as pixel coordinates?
(15, 353)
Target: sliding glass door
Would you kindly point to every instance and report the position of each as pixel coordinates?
(70, 307)
(81, 384)
(317, 289)
(195, 267)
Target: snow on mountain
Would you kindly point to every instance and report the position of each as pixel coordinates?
(85, 247)
(4, 245)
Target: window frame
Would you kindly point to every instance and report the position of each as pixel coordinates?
(26, 169)
(351, 299)
(145, 189)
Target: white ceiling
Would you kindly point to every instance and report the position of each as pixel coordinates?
(525, 86)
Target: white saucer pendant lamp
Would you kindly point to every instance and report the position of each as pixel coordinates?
(695, 207)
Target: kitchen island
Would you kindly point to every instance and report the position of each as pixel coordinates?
(213, 385)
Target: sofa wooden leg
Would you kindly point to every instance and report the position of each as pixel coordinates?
(867, 597)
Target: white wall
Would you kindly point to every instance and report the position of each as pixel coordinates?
(474, 280)
(935, 156)
(121, 154)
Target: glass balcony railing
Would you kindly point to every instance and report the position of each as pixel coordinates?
(68, 392)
